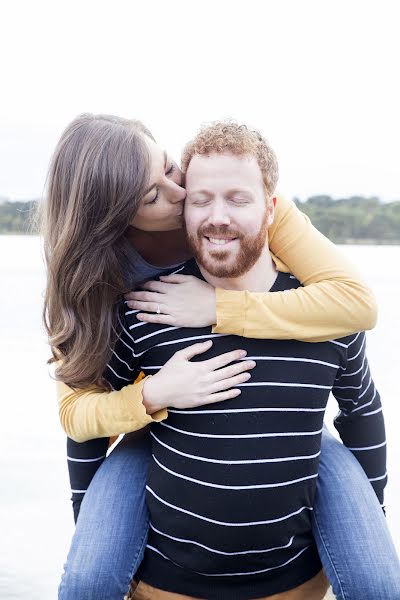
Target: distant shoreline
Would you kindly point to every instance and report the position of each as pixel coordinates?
(366, 242)
(349, 221)
(341, 242)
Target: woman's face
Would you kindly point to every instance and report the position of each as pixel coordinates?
(162, 206)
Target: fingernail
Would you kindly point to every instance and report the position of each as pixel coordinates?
(252, 364)
(243, 353)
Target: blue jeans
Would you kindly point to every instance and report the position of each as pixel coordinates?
(350, 529)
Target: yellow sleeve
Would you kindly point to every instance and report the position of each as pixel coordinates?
(334, 302)
(90, 413)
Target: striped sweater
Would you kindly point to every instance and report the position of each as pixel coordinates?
(231, 485)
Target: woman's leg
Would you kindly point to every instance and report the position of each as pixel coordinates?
(354, 543)
(111, 531)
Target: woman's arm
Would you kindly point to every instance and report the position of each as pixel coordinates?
(90, 413)
(334, 302)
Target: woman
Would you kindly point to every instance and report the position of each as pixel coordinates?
(102, 181)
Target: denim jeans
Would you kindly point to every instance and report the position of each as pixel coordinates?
(349, 527)
(350, 530)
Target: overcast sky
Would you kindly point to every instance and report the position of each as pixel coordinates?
(319, 78)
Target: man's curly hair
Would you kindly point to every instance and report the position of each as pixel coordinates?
(230, 137)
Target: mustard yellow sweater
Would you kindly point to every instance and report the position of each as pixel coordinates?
(334, 303)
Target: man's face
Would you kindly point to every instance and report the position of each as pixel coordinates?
(226, 213)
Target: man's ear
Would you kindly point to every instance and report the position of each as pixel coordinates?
(271, 211)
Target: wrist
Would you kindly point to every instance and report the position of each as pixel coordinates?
(151, 396)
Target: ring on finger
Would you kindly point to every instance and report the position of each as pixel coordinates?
(158, 311)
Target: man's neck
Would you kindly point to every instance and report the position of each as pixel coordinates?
(260, 278)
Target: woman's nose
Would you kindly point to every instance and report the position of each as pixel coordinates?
(177, 193)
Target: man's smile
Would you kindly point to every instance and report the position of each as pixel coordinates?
(220, 241)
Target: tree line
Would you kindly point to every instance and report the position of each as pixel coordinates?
(345, 221)
(354, 220)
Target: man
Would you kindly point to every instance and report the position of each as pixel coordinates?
(231, 486)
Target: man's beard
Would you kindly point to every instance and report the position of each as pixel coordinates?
(218, 263)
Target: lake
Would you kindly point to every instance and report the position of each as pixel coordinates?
(36, 518)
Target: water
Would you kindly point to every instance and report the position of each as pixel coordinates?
(36, 518)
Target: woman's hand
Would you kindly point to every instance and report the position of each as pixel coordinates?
(178, 300)
(184, 384)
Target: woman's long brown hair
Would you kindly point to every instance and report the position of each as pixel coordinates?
(98, 175)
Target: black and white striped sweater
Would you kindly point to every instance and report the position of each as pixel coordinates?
(231, 485)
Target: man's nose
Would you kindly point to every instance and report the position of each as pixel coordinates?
(218, 215)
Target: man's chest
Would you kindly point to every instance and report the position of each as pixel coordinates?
(286, 364)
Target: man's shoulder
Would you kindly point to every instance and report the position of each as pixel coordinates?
(353, 341)
(287, 281)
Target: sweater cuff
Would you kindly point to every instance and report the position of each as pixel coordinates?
(159, 415)
(155, 417)
(231, 312)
